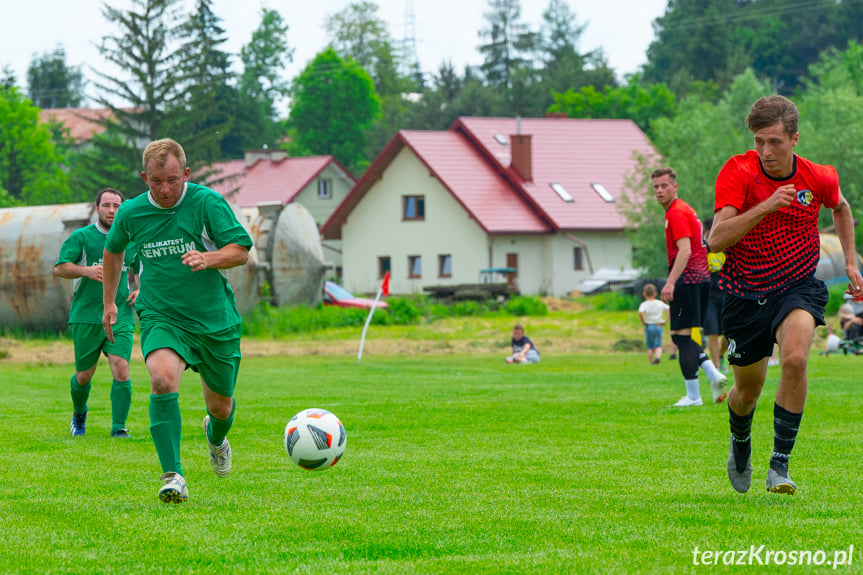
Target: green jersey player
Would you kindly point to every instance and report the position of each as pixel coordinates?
(81, 260)
(187, 236)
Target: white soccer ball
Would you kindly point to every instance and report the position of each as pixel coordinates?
(315, 439)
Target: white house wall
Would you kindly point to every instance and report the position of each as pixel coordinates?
(321, 209)
(606, 250)
(375, 228)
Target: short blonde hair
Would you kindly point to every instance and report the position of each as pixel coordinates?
(159, 150)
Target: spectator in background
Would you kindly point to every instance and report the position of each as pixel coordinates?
(652, 315)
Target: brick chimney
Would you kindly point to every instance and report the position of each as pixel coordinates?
(521, 155)
(276, 155)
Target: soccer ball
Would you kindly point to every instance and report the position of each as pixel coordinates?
(315, 439)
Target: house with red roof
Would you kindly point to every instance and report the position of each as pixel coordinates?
(539, 195)
(318, 183)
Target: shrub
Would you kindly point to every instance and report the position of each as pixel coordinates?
(468, 308)
(526, 305)
(615, 301)
(837, 298)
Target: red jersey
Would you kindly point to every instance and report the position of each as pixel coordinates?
(681, 221)
(783, 248)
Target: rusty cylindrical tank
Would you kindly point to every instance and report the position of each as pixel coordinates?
(31, 298)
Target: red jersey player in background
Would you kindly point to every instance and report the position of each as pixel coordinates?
(687, 288)
(767, 205)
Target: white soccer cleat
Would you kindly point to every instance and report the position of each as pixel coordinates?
(718, 389)
(686, 402)
(174, 489)
(220, 455)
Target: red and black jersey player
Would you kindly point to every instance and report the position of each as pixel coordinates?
(767, 206)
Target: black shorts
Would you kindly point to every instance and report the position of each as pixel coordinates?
(713, 317)
(689, 305)
(750, 325)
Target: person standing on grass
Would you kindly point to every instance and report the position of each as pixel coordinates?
(652, 312)
(687, 288)
(81, 260)
(187, 235)
(716, 342)
(767, 206)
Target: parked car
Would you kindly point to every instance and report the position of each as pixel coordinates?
(336, 295)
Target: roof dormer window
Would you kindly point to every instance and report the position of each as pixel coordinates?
(603, 193)
(561, 191)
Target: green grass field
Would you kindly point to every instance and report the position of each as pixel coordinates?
(454, 464)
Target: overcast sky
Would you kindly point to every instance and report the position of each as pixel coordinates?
(445, 30)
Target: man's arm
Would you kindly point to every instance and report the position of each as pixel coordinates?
(112, 265)
(70, 271)
(843, 220)
(684, 250)
(729, 225)
(230, 256)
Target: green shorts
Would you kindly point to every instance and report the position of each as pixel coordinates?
(90, 340)
(216, 356)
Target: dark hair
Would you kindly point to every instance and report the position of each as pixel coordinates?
(108, 191)
(708, 222)
(659, 172)
(768, 110)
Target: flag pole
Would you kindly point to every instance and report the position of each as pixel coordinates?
(385, 287)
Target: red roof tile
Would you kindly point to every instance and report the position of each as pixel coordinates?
(575, 153)
(268, 180)
(79, 121)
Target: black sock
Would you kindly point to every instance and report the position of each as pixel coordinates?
(687, 355)
(785, 426)
(741, 438)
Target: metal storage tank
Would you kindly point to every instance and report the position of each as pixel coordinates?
(31, 297)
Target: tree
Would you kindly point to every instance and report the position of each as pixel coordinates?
(510, 42)
(53, 84)
(333, 102)
(206, 116)
(30, 167)
(261, 86)
(143, 47)
(641, 104)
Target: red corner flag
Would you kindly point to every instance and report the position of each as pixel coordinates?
(385, 286)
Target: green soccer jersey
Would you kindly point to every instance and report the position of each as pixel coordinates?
(84, 247)
(197, 301)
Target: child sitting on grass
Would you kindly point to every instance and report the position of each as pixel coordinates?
(523, 350)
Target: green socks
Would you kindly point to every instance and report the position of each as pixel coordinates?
(80, 394)
(121, 401)
(166, 426)
(219, 428)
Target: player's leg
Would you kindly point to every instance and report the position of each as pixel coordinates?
(88, 348)
(701, 305)
(742, 399)
(794, 336)
(121, 395)
(219, 368)
(166, 424)
(687, 357)
(119, 353)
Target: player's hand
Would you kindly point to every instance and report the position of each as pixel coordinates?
(109, 318)
(95, 273)
(133, 297)
(782, 197)
(855, 285)
(667, 294)
(195, 260)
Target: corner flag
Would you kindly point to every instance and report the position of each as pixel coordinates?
(383, 290)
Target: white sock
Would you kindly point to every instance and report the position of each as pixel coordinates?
(692, 391)
(710, 370)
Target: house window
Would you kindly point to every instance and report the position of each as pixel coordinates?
(445, 266)
(415, 266)
(325, 188)
(413, 207)
(561, 191)
(383, 265)
(577, 259)
(603, 193)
